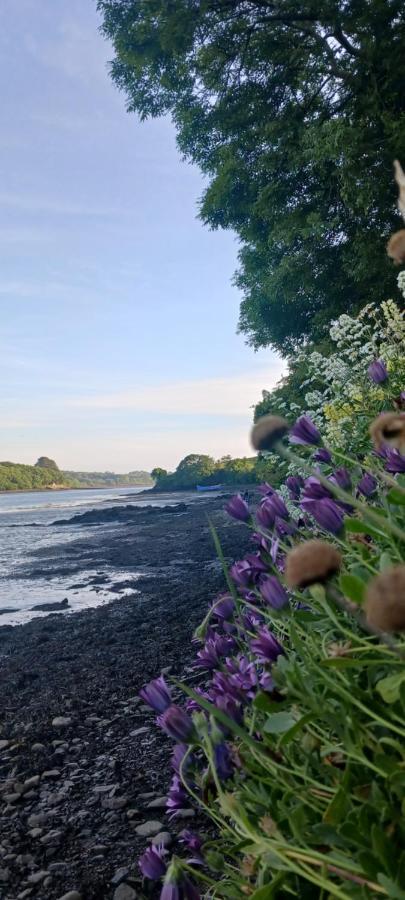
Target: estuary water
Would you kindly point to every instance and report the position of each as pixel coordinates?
(27, 529)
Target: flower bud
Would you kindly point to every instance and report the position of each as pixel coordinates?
(267, 431)
(385, 600)
(389, 428)
(396, 246)
(310, 563)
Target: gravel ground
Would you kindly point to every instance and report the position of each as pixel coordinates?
(83, 768)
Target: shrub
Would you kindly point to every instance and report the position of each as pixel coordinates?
(293, 741)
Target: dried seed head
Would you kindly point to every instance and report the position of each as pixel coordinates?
(400, 180)
(311, 563)
(389, 428)
(385, 600)
(396, 246)
(267, 431)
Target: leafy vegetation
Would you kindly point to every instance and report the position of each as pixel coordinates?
(335, 386)
(204, 470)
(292, 740)
(294, 112)
(110, 479)
(15, 476)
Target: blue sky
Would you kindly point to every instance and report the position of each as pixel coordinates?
(118, 345)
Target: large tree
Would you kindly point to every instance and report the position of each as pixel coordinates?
(295, 112)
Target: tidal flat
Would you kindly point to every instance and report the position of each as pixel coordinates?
(84, 770)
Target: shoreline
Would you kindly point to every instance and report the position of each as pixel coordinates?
(51, 490)
(76, 796)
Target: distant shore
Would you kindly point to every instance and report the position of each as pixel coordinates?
(65, 487)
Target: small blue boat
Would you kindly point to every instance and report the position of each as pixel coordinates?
(209, 487)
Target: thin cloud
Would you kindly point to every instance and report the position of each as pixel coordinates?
(231, 396)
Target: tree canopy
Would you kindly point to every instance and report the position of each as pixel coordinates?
(44, 462)
(295, 113)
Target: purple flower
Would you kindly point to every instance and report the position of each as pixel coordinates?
(378, 371)
(261, 541)
(247, 570)
(266, 489)
(273, 592)
(170, 891)
(191, 840)
(277, 504)
(367, 485)
(395, 461)
(222, 761)
(266, 514)
(214, 648)
(326, 513)
(177, 724)
(266, 646)
(151, 863)
(304, 432)
(156, 694)
(342, 479)
(238, 508)
(230, 707)
(314, 490)
(322, 455)
(189, 890)
(283, 528)
(177, 797)
(267, 682)
(178, 755)
(224, 607)
(241, 573)
(294, 484)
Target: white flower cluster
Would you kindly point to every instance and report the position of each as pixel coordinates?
(401, 282)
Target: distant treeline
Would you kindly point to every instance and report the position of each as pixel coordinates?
(45, 474)
(110, 479)
(197, 468)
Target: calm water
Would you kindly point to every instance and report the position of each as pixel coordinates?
(19, 542)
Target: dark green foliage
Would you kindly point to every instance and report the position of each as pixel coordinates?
(45, 463)
(110, 479)
(201, 469)
(14, 476)
(295, 113)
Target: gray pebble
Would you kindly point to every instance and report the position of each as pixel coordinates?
(124, 892)
(61, 721)
(163, 839)
(159, 803)
(148, 829)
(36, 877)
(71, 895)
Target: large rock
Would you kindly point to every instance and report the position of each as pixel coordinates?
(51, 607)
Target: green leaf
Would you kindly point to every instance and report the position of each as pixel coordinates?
(337, 809)
(352, 587)
(267, 891)
(346, 662)
(385, 562)
(389, 687)
(278, 723)
(263, 702)
(290, 734)
(396, 497)
(393, 890)
(356, 526)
